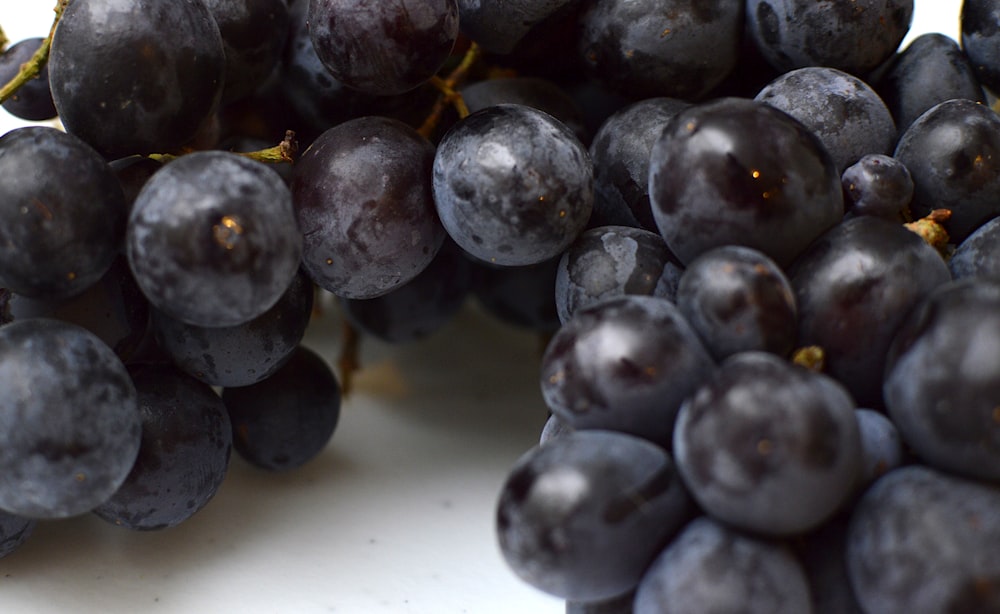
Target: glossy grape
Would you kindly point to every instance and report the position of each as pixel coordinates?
(878, 185)
(33, 100)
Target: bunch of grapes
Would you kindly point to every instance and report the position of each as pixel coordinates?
(759, 238)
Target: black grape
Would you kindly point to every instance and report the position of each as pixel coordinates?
(881, 445)
(499, 26)
(362, 194)
(620, 152)
(625, 364)
(610, 261)
(69, 421)
(768, 446)
(842, 110)
(676, 48)
(737, 300)
(542, 94)
(854, 287)
(183, 457)
(513, 186)
(33, 100)
(979, 254)
(136, 76)
(878, 185)
(523, 296)
(924, 542)
(59, 231)
(383, 47)
(980, 35)
(253, 36)
(737, 171)
(284, 421)
(212, 239)
(241, 354)
(14, 531)
(710, 568)
(419, 307)
(950, 152)
(942, 384)
(583, 515)
(930, 70)
(855, 36)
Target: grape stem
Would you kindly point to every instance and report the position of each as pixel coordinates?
(449, 95)
(282, 153)
(33, 67)
(3, 40)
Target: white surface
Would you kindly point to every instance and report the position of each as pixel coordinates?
(396, 516)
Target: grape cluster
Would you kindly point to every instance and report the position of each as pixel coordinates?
(758, 238)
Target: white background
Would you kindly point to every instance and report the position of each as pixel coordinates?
(396, 516)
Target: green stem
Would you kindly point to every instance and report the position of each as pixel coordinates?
(33, 67)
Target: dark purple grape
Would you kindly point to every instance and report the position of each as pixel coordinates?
(881, 445)
(33, 100)
(610, 261)
(930, 70)
(878, 185)
(624, 364)
(620, 152)
(553, 427)
(136, 76)
(419, 307)
(979, 254)
(737, 300)
(286, 420)
(923, 542)
(69, 423)
(713, 569)
(739, 172)
(499, 25)
(114, 309)
(513, 185)
(980, 35)
(854, 286)
(523, 296)
(183, 457)
(212, 239)
(253, 36)
(953, 154)
(582, 516)
(383, 48)
(768, 446)
(244, 353)
(14, 531)
(855, 36)
(362, 194)
(842, 110)
(942, 383)
(676, 48)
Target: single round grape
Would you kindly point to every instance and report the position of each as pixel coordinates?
(925, 542)
(383, 47)
(244, 353)
(286, 420)
(62, 213)
(739, 172)
(710, 568)
(253, 36)
(626, 364)
(33, 100)
(362, 194)
(950, 152)
(768, 446)
(582, 516)
(609, 261)
(183, 457)
(842, 110)
(979, 254)
(212, 239)
(881, 445)
(136, 76)
(878, 185)
(942, 383)
(979, 24)
(737, 300)
(854, 287)
(676, 48)
(513, 186)
(855, 36)
(930, 70)
(69, 422)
